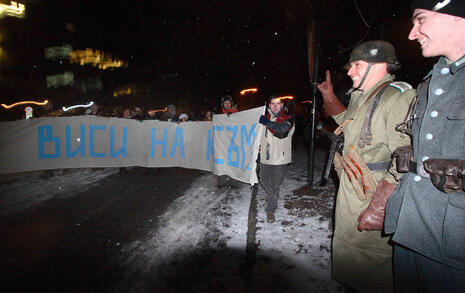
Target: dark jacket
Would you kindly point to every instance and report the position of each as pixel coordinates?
(422, 218)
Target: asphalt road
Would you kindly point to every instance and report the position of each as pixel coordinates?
(67, 244)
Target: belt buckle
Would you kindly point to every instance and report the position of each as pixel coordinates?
(421, 170)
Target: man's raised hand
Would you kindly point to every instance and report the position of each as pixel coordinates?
(326, 87)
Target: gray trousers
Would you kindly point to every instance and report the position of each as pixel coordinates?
(414, 272)
(271, 178)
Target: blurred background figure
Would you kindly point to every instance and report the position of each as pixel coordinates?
(93, 110)
(228, 106)
(183, 117)
(170, 115)
(127, 114)
(151, 115)
(138, 114)
(208, 115)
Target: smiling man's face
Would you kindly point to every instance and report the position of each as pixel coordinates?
(433, 31)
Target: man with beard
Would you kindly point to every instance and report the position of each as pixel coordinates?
(361, 254)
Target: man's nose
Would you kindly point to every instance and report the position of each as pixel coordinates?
(413, 33)
(351, 71)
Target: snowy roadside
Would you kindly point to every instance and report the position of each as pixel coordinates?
(206, 220)
(200, 241)
(20, 191)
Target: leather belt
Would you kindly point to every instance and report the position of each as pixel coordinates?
(418, 168)
(381, 166)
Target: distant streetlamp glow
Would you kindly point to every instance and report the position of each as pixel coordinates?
(152, 112)
(45, 102)
(252, 90)
(286, 98)
(77, 106)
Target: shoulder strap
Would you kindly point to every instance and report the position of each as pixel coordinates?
(405, 127)
(365, 133)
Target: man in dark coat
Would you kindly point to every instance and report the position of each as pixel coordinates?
(426, 212)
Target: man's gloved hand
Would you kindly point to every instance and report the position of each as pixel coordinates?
(263, 120)
(447, 175)
(372, 218)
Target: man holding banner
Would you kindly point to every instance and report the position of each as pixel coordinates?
(275, 151)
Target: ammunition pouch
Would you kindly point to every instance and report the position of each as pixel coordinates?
(359, 174)
(448, 175)
(403, 157)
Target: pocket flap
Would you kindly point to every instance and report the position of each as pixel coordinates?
(457, 112)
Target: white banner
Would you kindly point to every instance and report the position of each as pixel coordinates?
(228, 146)
(236, 140)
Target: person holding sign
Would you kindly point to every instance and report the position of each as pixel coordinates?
(227, 105)
(275, 151)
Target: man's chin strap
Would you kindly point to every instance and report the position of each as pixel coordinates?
(352, 89)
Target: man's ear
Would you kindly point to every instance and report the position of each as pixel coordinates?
(379, 67)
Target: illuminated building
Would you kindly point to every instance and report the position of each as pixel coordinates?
(14, 9)
(95, 58)
(57, 53)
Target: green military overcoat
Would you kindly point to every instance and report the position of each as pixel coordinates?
(363, 260)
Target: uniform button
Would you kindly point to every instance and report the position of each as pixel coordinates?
(434, 114)
(424, 158)
(429, 136)
(417, 178)
(445, 70)
(438, 92)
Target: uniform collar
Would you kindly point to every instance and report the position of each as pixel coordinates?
(457, 65)
(453, 67)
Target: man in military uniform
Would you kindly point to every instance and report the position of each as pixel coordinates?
(361, 255)
(426, 213)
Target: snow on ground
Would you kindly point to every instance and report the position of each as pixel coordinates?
(27, 189)
(209, 220)
(300, 239)
(296, 246)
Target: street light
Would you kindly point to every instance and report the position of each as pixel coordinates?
(252, 90)
(45, 102)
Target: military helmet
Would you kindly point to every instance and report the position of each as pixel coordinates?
(376, 51)
(226, 98)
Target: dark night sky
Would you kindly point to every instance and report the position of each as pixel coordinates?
(216, 47)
